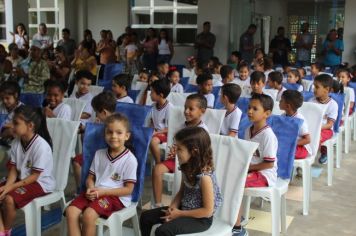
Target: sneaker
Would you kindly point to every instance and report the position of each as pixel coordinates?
(323, 159)
(239, 232)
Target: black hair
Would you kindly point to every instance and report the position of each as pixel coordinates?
(206, 23)
(23, 27)
(294, 98)
(276, 76)
(225, 71)
(252, 26)
(84, 74)
(268, 63)
(123, 80)
(280, 28)
(236, 54)
(325, 80)
(168, 39)
(86, 45)
(170, 73)
(231, 91)
(66, 30)
(257, 76)
(296, 74)
(203, 78)
(161, 86)
(11, 88)
(104, 100)
(337, 87)
(201, 99)
(265, 100)
(43, 25)
(162, 62)
(60, 49)
(55, 84)
(37, 117)
(12, 46)
(88, 31)
(242, 65)
(304, 71)
(320, 66)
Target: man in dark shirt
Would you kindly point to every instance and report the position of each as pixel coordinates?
(280, 47)
(246, 44)
(67, 43)
(205, 44)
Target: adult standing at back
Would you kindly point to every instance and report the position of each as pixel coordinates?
(20, 37)
(69, 45)
(332, 49)
(247, 44)
(304, 44)
(205, 43)
(280, 47)
(150, 47)
(165, 47)
(43, 38)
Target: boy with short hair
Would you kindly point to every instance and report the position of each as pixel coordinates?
(230, 93)
(275, 80)
(322, 87)
(227, 74)
(316, 68)
(160, 89)
(291, 101)
(163, 69)
(194, 109)
(263, 168)
(257, 82)
(205, 85)
(120, 85)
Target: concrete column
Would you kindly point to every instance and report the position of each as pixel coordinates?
(349, 33)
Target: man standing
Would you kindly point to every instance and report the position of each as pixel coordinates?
(43, 38)
(304, 44)
(247, 44)
(67, 43)
(280, 47)
(205, 44)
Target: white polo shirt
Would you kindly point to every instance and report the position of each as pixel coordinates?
(231, 122)
(125, 99)
(201, 125)
(36, 156)
(177, 88)
(113, 172)
(159, 116)
(266, 151)
(331, 109)
(63, 111)
(10, 114)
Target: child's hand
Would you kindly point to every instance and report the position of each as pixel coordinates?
(3, 191)
(48, 111)
(171, 214)
(92, 194)
(172, 152)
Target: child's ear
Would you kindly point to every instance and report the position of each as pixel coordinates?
(268, 113)
(127, 136)
(203, 110)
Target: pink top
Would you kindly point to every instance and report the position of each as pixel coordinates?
(150, 46)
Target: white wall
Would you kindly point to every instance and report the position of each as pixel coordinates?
(350, 32)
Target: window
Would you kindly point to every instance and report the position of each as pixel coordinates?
(44, 11)
(2, 21)
(179, 17)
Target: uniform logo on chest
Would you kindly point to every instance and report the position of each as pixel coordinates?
(116, 177)
(28, 164)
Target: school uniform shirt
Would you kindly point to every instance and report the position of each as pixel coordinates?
(201, 124)
(36, 156)
(217, 80)
(63, 111)
(331, 110)
(113, 172)
(159, 116)
(352, 95)
(125, 99)
(210, 98)
(304, 129)
(88, 108)
(266, 151)
(177, 88)
(231, 122)
(279, 94)
(10, 114)
(244, 85)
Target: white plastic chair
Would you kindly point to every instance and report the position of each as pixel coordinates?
(77, 107)
(63, 133)
(177, 99)
(313, 114)
(231, 171)
(346, 127)
(272, 93)
(149, 101)
(307, 84)
(93, 89)
(186, 72)
(276, 110)
(142, 87)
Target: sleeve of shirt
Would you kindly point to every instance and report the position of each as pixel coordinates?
(13, 153)
(130, 172)
(235, 121)
(269, 148)
(180, 88)
(43, 158)
(332, 112)
(65, 113)
(304, 129)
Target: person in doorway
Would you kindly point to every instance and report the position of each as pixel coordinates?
(280, 47)
(205, 43)
(304, 44)
(247, 44)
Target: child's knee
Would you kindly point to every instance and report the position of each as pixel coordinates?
(9, 201)
(72, 212)
(89, 215)
(155, 141)
(159, 169)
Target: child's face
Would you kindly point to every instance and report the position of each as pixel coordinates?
(244, 73)
(102, 115)
(234, 59)
(174, 77)
(192, 111)
(155, 97)
(230, 77)
(282, 104)
(164, 69)
(83, 85)
(344, 78)
(258, 67)
(301, 72)
(116, 134)
(182, 153)
(9, 101)
(54, 97)
(292, 79)
(206, 87)
(256, 112)
(152, 79)
(272, 84)
(117, 89)
(257, 87)
(320, 91)
(20, 127)
(143, 77)
(314, 70)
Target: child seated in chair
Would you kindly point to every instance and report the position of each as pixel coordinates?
(258, 82)
(227, 74)
(56, 108)
(120, 85)
(316, 68)
(110, 183)
(205, 87)
(163, 69)
(263, 168)
(291, 101)
(104, 105)
(173, 77)
(230, 93)
(322, 87)
(194, 109)
(275, 80)
(343, 75)
(160, 89)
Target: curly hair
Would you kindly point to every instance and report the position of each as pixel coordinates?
(197, 141)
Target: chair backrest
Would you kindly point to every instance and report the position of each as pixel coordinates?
(276, 110)
(93, 89)
(112, 70)
(64, 137)
(307, 84)
(308, 77)
(307, 95)
(3, 118)
(191, 88)
(94, 140)
(149, 101)
(184, 81)
(290, 86)
(214, 118)
(137, 114)
(133, 94)
(138, 85)
(313, 114)
(177, 99)
(231, 171)
(32, 99)
(340, 100)
(353, 86)
(347, 104)
(186, 73)
(77, 107)
(243, 103)
(272, 93)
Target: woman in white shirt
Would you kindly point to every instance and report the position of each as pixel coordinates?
(20, 37)
(165, 47)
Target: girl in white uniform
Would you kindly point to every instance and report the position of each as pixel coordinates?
(56, 108)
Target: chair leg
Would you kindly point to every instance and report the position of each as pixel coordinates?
(330, 163)
(354, 128)
(347, 135)
(283, 214)
(276, 211)
(338, 150)
(306, 187)
(136, 225)
(246, 203)
(30, 219)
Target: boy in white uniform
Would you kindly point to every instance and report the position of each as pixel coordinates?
(205, 85)
(263, 167)
(120, 85)
(230, 93)
(275, 80)
(173, 77)
(322, 86)
(54, 97)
